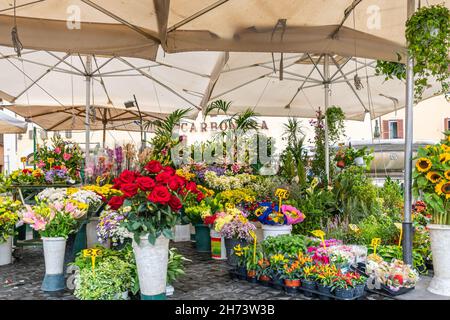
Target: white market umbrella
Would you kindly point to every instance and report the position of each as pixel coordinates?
(9, 124)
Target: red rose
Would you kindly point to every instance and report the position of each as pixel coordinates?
(116, 202)
(169, 169)
(159, 194)
(191, 186)
(128, 176)
(117, 184)
(164, 177)
(153, 166)
(176, 182)
(56, 167)
(129, 189)
(175, 203)
(200, 196)
(145, 183)
(399, 278)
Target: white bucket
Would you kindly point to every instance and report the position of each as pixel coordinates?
(218, 251)
(440, 239)
(6, 252)
(54, 250)
(277, 230)
(182, 232)
(151, 262)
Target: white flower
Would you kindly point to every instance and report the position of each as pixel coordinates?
(53, 194)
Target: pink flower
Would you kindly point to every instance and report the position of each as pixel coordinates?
(67, 156)
(28, 217)
(58, 206)
(57, 150)
(39, 224)
(41, 164)
(70, 207)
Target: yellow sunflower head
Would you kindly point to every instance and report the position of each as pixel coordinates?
(438, 187)
(447, 174)
(434, 177)
(443, 187)
(444, 157)
(445, 147)
(423, 164)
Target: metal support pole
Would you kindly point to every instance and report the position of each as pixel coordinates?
(141, 124)
(326, 73)
(88, 107)
(34, 147)
(407, 220)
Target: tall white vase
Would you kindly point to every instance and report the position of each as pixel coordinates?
(54, 250)
(151, 262)
(276, 230)
(440, 242)
(6, 252)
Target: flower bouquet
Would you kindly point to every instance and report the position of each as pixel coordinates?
(270, 214)
(8, 220)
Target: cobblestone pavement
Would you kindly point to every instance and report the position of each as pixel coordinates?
(205, 279)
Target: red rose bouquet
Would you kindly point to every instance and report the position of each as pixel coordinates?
(153, 199)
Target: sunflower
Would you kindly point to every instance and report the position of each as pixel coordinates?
(434, 177)
(445, 147)
(443, 187)
(423, 164)
(447, 174)
(444, 157)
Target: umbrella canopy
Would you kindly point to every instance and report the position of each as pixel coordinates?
(53, 118)
(253, 80)
(10, 124)
(370, 29)
(52, 79)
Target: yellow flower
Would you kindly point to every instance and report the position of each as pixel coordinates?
(445, 147)
(433, 176)
(423, 164)
(438, 187)
(447, 174)
(444, 157)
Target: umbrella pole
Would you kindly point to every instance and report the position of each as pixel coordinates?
(407, 220)
(104, 134)
(326, 71)
(88, 107)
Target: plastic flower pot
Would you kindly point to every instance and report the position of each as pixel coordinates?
(291, 286)
(309, 285)
(218, 251)
(277, 282)
(344, 293)
(6, 252)
(359, 161)
(232, 259)
(151, 262)
(264, 280)
(440, 238)
(241, 273)
(251, 276)
(202, 238)
(276, 230)
(54, 250)
(325, 290)
(359, 290)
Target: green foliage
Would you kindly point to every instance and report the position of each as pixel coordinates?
(428, 36)
(163, 140)
(5, 183)
(377, 226)
(175, 267)
(392, 195)
(335, 121)
(391, 69)
(290, 245)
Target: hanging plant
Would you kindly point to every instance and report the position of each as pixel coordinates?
(391, 69)
(335, 121)
(428, 38)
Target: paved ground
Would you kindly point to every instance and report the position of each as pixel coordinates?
(205, 279)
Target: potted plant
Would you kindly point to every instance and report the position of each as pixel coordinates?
(359, 283)
(55, 222)
(153, 199)
(241, 268)
(291, 276)
(236, 229)
(202, 232)
(308, 279)
(251, 263)
(342, 286)
(432, 183)
(325, 275)
(263, 270)
(8, 220)
(277, 221)
(277, 262)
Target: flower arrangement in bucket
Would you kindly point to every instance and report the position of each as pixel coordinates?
(8, 218)
(153, 198)
(432, 184)
(278, 218)
(54, 221)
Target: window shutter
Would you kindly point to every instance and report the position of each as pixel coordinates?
(445, 124)
(400, 129)
(385, 129)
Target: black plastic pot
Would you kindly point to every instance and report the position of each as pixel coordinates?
(252, 279)
(291, 289)
(277, 283)
(324, 290)
(232, 259)
(241, 273)
(343, 293)
(309, 285)
(359, 290)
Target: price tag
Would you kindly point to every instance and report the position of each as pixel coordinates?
(253, 235)
(353, 227)
(93, 253)
(321, 235)
(282, 194)
(375, 243)
(399, 227)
